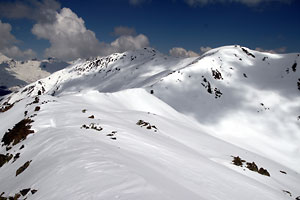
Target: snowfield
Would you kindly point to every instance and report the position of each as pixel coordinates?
(142, 125)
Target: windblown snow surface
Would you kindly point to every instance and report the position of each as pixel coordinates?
(142, 125)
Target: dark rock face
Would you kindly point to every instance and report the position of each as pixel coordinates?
(247, 52)
(23, 167)
(18, 133)
(5, 159)
(294, 67)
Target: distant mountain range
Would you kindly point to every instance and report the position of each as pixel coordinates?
(143, 125)
(16, 74)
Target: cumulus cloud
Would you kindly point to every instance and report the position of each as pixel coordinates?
(124, 30)
(68, 36)
(278, 50)
(125, 43)
(204, 49)
(8, 44)
(181, 52)
(70, 39)
(16, 53)
(41, 11)
(246, 2)
(6, 38)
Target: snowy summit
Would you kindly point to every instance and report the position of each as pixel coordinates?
(143, 125)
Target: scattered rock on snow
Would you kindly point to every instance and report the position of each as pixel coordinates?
(5, 158)
(250, 165)
(23, 167)
(18, 133)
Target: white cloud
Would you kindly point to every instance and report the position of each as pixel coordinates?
(41, 11)
(16, 53)
(125, 43)
(123, 30)
(204, 49)
(68, 36)
(246, 2)
(278, 50)
(6, 38)
(70, 39)
(7, 44)
(181, 52)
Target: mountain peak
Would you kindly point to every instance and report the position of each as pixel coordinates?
(157, 127)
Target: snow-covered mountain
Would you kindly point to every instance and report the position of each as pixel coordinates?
(17, 74)
(142, 125)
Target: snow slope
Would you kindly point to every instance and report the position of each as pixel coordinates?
(142, 125)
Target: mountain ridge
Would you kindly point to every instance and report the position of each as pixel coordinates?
(144, 125)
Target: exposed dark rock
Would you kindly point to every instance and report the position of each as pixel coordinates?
(92, 117)
(247, 52)
(5, 158)
(282, 172)
(24, 191)
(33, 191)
(94, 126)
(216, 74)
(287, 192)
(23, 167)
(218, 93)
(36, 100)
(252, 166)
(16, 157)
(142, 123)
(210, 89)
(6, 107)
(238, 161)
(37, 108)
(263, 171)
(18, 133)
(151, 92)
(298, 84)
(245, 75)
(294, 67)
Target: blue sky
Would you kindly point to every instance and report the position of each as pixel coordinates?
(109, 26)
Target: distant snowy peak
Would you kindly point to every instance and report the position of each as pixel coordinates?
(15, 74)
(3, 58)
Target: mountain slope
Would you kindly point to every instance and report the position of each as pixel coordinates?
(107, 129)
(16, 74)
